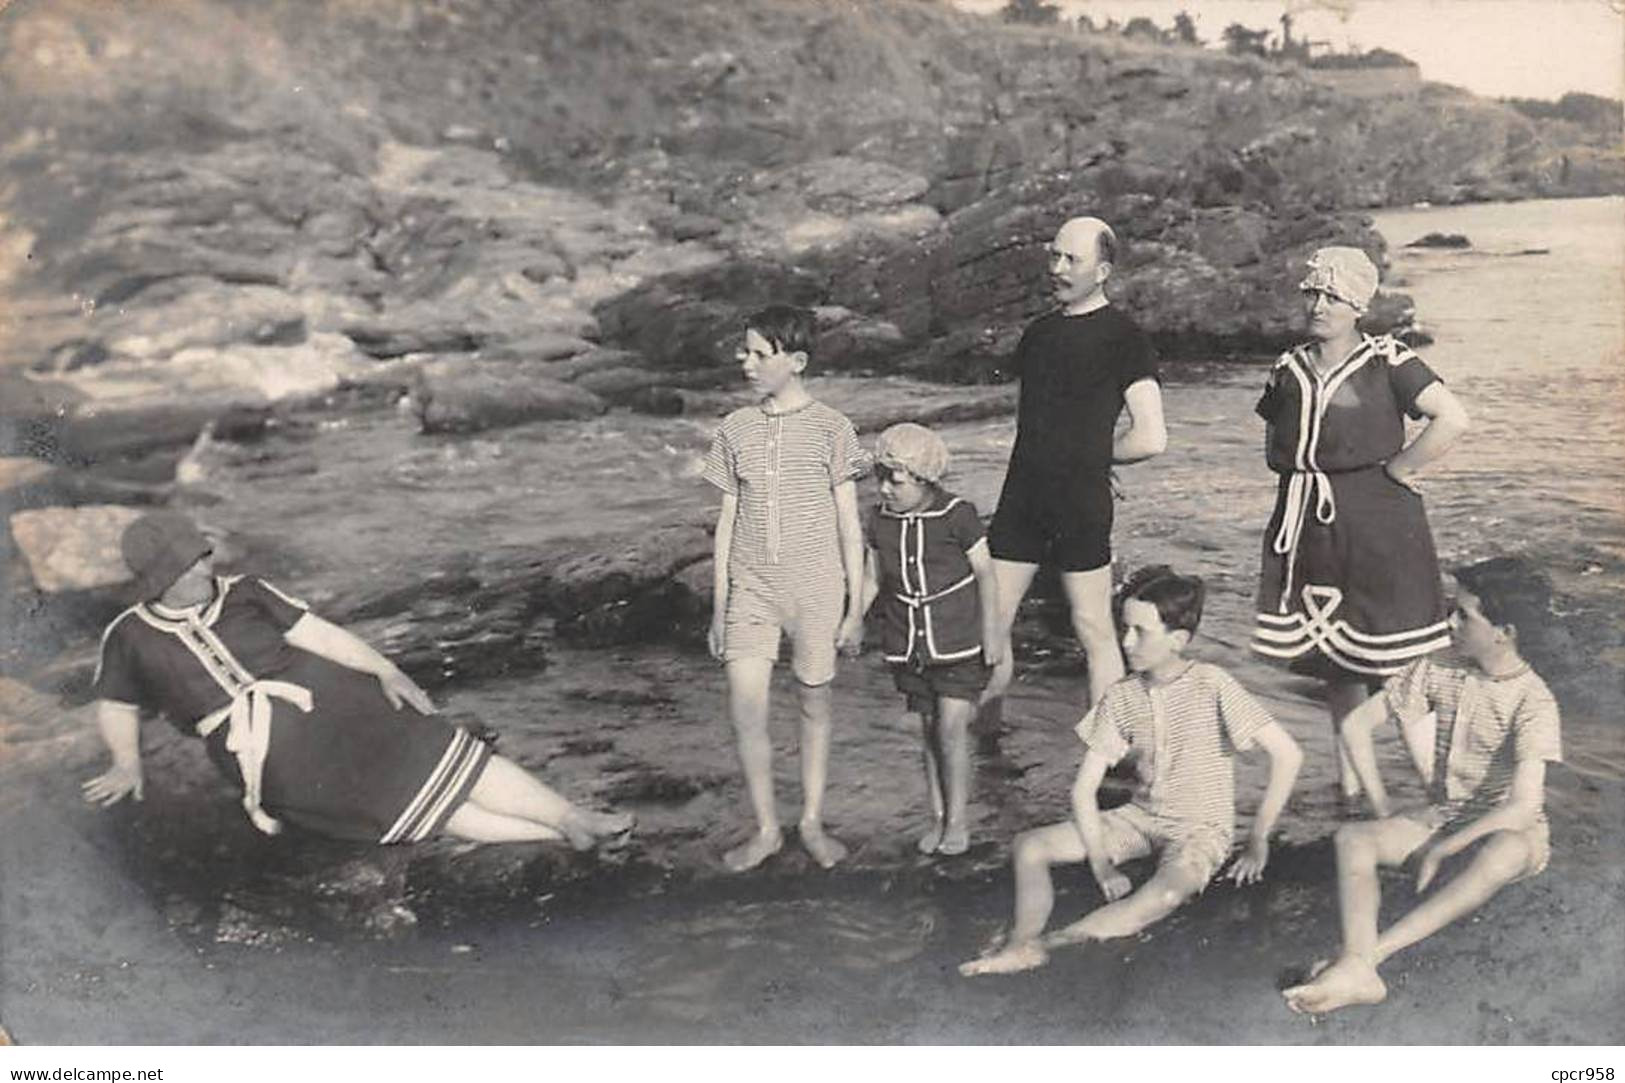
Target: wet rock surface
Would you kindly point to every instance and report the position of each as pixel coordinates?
(1441, 240)
(454, 397)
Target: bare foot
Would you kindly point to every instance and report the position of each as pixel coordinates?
(585, 828)
(1027, 955)
(825, 849)
(1300, 975)
(994, 944)
(931, 840)
(574, 827)
(1076, 933)
(608, 825)
(1347, 981)
(955, 840)
(757, 849)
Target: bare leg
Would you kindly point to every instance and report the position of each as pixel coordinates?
(508, 790)
(1033, 854)
(953, 761)
(1168, 889)
(748, 683)
(1341, 698)
(1501, 859)
(1014, 578)
(477, 825)
(1361, 849)
(1090, 596)
(930, 727)
(815, 734)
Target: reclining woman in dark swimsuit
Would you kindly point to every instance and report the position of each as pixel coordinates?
(319, 729)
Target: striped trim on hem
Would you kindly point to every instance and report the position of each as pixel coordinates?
(1342, 644)
(1316, 626)
(448, 784)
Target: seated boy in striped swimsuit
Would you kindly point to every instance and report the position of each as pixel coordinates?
(788, 562)
(1494, 729)
(1181, 722)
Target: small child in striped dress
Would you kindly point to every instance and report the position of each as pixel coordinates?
(1181, 722)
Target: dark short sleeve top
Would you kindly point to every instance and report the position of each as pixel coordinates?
(928, 604)
(1074, 371)
(1349, 418)
(182, 662)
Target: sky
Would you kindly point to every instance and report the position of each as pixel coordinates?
(1497, 48)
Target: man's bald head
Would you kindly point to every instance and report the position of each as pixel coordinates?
(1078, 235)
(1080, 261)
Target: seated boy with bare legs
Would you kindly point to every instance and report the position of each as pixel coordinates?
(1495, 727)
(1182, 722)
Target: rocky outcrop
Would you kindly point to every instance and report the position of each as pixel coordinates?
(231, 229)
(488, 218)
(73, 548)
(1440, 240)
(458, 397)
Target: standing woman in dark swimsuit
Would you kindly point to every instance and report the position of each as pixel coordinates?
(1350, 588)
(315, 727)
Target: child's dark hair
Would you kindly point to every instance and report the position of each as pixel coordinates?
(1510, 590)
(1178, 598)
(787, 327)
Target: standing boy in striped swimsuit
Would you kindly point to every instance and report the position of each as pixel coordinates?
(788, 561)
(1182, 721)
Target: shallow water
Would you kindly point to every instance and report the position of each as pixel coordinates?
(652, 943)
(1534, 344)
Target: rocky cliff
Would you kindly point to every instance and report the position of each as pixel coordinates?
(225, 198)
(216, 214)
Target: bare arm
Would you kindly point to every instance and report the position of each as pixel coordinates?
(1447, 421)
(721, 547)
(1285, 759)
(987, 596)
(312, 633)
(120, 726)
(1519, 811)
(849, 530)
(1086, 815)
(1147, 433)
(871, 577)
(1358, 727)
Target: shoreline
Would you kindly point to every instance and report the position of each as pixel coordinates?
(794, 955)
(163, 922)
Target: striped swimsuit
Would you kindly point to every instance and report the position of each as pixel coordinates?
(1182, 737)
(784, 568)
